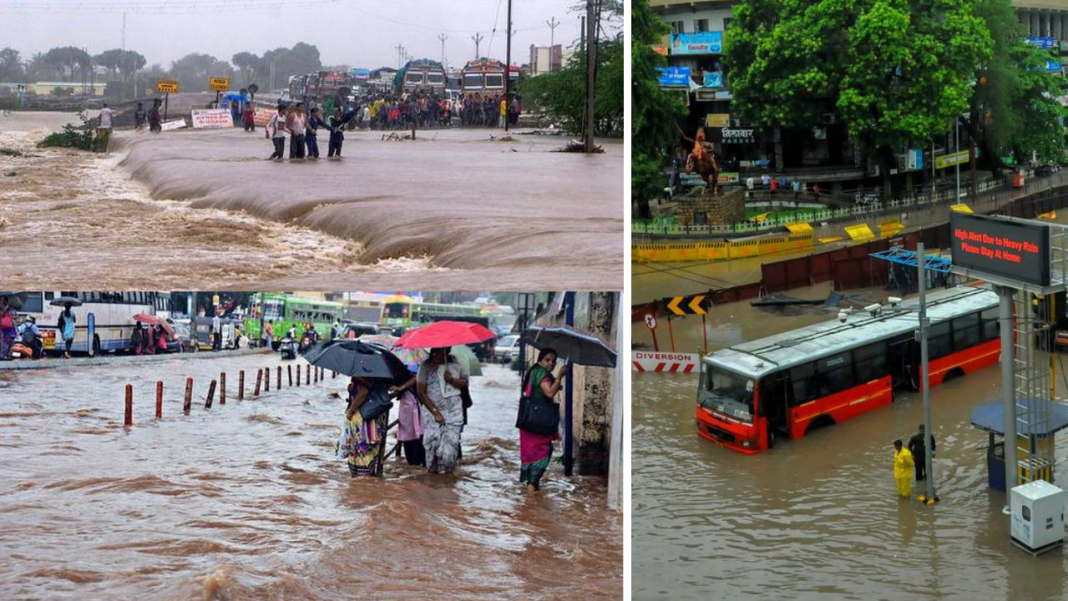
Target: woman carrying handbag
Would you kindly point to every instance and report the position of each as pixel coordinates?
(539, 418)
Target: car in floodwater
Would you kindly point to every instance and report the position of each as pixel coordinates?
(506, 349)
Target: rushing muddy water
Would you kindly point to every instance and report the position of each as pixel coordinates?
(818, 517)
(204, 208)
(246, 501)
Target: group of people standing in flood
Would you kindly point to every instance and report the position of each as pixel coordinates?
(302, 128)
(432, 414)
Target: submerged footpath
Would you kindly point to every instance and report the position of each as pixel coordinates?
(457, 207)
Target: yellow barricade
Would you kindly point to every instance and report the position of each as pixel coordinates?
(860, 232)
(802, 227)
(888, 229)
(961, 208)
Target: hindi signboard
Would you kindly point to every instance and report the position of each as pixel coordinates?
(212, 119)
(702, 42)
(172, 125)
(167, 86)
(739, 135)
(1015, 250)
(219, 84)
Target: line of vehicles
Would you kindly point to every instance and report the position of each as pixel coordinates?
(483, 76)
(106, 322)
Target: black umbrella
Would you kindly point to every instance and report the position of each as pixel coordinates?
(15, 299)
(61, 301)
(355, 358)
(579, 347)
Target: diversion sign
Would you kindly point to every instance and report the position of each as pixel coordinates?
(1013, 250)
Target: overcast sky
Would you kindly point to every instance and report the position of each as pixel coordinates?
(361, 33)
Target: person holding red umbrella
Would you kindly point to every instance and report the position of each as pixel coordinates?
(439, 383)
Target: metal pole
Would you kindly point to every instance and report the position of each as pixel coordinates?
(569, 395)
(1008, 384)
(591, 70)
(508, 70)
(956, 133)
(925, 373)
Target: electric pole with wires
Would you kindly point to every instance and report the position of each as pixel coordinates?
(442, 38)
(478, 37)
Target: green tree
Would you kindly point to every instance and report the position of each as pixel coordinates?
(10, 65)
(653, 111)
(68, 60)
(562, 93)
(251, 67)
(194, 70)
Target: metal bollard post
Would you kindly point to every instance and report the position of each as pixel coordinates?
(298, 375)
(278, 380)
(129, 405)
(159, 399)
(267, 379)
(259, 379)
(241, 385)
(289, 369)
(211, 395)
(222, 388)
(188, 402)
(307, 376)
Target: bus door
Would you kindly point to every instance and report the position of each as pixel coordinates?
(774, 391)
(90, 321)
(903, 359)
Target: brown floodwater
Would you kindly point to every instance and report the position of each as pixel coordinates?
(818, 517)
(454, 208)
(247, 501)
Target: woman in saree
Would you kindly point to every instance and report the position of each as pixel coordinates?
(439, 383)
(535, 450)
(367, 436)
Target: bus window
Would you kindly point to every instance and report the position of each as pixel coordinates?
(939, 341)
(869, 362)
(835, 373)
(473, 80)
(773, 393)
(803, 384)
(730, 386)
(494, 80)
(33, 303)
(989, 325)
(49, 296)
(965, 332)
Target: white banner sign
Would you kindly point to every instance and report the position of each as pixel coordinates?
(212, 119)
(175, 124)
(676, 363)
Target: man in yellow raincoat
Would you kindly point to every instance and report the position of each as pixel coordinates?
(903, 465)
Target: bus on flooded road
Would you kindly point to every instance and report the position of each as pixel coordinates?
(104, 321)
(785, 385)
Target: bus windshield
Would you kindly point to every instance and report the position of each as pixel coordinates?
(396, 310)
(473, 80)
(494, 81)
(272, 309)
(727, 391)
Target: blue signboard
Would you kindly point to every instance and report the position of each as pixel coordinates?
(713, 79)
(1053, 66)
(1042, 42)
(360, 73)
(674, 76)
(705, 42)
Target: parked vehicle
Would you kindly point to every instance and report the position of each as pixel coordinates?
(288, 348)
(507, 349)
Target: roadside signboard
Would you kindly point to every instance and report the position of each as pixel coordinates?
(219, 84)
(212, 119)
(262, 116)
(1015, 250)
(674, 76)
(949, 160)
(650, 321)
(739, 135)
(167, 86)
(702, 42)
(717, 120)
(675, 363)
(171, 125)
(687, 305)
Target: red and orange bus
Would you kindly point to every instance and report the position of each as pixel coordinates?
(783, 386)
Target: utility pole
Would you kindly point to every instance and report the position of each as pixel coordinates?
(553, 24)
(400, 55)
(508, 69)
(925, 372)
(593, 8)
(478, 40)
(443, 37)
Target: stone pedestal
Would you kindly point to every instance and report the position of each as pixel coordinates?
(704, 209)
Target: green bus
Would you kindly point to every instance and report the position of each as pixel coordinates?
(290, 311)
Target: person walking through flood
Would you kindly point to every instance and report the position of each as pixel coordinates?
(276, 131)
(155, 122)
(337, 134)
(103, 129)
(363, 437)
(65, 326)
(312, 133)
(438, 382)
(296, 123)
(7, 327)
(410, 423)
(903, 469)
(535, 450)
(139, 117)
(248, 118)
(918, 448)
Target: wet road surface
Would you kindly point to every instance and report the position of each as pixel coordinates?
(818, 517)
(247, 501)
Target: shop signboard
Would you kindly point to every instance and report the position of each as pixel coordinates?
(702, 42)
(713, 79)
(739, 135)
(717, 120)
(674, 76)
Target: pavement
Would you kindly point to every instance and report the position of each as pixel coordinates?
(52, 362)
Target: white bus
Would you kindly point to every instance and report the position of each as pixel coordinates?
(104, 321)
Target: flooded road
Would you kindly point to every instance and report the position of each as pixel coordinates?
(247, 501)
(818, 517)
(452, 208)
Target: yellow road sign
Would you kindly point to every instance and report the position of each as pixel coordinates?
(687, 305)
(219, 84)
(961, 208)
(167, 86)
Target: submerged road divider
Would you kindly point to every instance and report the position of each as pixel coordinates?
(267, 379)
(241, 385)
(307, 376)
(278, 382)
(290, 371)
(159, 399)
(187, 403)
(259, 379)
(211, 395)
(222, 388)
